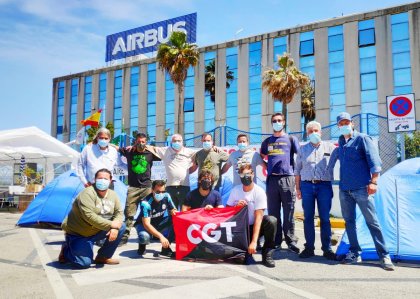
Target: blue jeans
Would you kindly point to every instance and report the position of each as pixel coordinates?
(322, 194)
(164, 227)
(78, 250)
(348, 200)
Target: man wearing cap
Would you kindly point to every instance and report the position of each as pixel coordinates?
(360, 166)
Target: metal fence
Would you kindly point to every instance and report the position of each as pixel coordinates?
(390, 145)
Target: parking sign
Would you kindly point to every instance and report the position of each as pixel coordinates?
(401, 113)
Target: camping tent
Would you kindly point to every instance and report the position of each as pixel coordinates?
(397, 205)
(37, 147)
(52, 204)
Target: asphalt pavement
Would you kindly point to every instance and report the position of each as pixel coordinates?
(29, 269)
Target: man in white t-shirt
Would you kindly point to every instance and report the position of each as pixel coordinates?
(178, 161)
(244, 155)
(251, 195)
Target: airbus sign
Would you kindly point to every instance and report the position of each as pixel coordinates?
(147, 38)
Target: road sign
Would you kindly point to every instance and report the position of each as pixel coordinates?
(401, 113)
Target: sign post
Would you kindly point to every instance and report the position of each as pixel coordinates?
(401, 113)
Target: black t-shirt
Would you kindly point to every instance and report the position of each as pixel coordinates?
(139, 167)
(195, 200)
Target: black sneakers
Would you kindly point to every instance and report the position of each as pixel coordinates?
(306, 253)
(167, 252)
(293, 248)
(123, 241)
(329, 255)
(267, 258)
(142, 249)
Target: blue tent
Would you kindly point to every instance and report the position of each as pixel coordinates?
(397, 203)
(53, 203)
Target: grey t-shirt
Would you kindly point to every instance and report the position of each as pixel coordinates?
(239, 158)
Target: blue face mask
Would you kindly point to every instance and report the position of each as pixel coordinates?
(345, 130)
(176, 145)
(207, 145)
(242, 146)
(103, 142)
(102, 184)
(277, 126)
(159, 196)
(315, 138)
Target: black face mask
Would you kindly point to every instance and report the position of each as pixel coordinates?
(246, 180)
(205, 184)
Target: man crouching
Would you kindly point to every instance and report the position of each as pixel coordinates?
(96, 214)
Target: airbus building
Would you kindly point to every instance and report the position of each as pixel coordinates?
(354, 62)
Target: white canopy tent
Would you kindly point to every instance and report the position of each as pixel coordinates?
(37, 147)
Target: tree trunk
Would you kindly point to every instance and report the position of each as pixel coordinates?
(181, 109)
(284, 112)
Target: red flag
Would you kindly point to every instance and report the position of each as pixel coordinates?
(92, 120)
(219, 233)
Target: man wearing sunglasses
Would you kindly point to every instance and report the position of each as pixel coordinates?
(155, 219)
(279, 150)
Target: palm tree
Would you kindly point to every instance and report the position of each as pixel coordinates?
(308, 105)
(283, 84)
(175, 58)
(210, 79)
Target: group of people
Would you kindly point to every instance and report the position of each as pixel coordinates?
(293, 172)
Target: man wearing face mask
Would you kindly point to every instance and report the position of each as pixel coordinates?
(360, 166)
(210, 158)
(139, 163)
(155, 219)
(313, 185)
(96, 156)
(203, 196)
(253, 196)
(279, 150)
(178, 161)
(244, 155)
(96, 214)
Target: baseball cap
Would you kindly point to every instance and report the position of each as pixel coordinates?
(343, 115)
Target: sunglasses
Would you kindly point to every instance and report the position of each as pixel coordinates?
(276, 121)
(242, 175)
(160, 192)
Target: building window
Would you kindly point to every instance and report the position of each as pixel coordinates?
(279, 48)
(254, 86)
(118, 91)
(307, 48)
(102, 96)
(169, 106)
(73, 107)
(336, 74)
(209, 91)
(134, 99)
(60, 109)
(401, 53)
(88, 97)
(151, 100)
(189, 104)
(366, 37)
(368, 80)
(232, 93)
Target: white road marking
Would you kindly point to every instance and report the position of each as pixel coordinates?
(59, 287)
(119, 273)
(273, 282)
(217, 288)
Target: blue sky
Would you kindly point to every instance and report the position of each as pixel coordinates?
(43, 39)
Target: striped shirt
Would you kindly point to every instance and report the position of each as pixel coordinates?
(312, 162)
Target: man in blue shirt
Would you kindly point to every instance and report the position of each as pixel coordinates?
(313, 185)
(360, 166)
(279, 150)
(155, 219)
